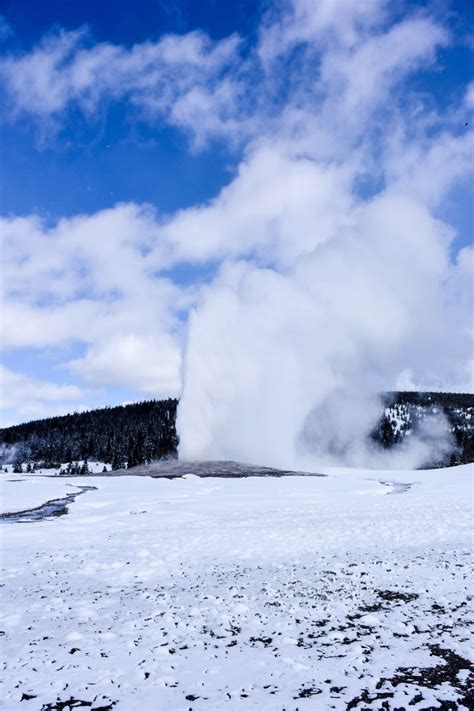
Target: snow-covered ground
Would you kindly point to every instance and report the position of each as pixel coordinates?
(38, 487)
(19, 492)
(257, 593)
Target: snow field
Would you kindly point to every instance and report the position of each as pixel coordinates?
(294, 593)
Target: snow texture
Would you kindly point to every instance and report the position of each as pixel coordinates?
(347, 591)
(20, 492)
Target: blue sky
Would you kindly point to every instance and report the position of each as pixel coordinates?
(149, 115)
(89, 168)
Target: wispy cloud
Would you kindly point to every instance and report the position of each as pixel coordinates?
(226, 89)
(165, 80)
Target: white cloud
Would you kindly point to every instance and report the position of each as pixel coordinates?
(161, 79)
(28, 397)
(316, 23)
(430, 168)
(276, 208)
(89, 280)
(364, 77)
(146, 364)
(353, 59)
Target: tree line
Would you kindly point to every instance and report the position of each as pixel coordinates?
(121, 436)
(143, 432)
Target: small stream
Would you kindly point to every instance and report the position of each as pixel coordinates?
(397, 487)
(49, 510)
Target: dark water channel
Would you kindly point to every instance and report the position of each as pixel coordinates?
(49, 510)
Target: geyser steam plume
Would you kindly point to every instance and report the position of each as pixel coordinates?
(337, 277)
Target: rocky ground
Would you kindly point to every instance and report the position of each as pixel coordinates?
(173, 468)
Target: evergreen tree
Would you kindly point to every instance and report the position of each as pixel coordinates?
(18, 466)
(119, 461)
(85, 468)
(107, 435)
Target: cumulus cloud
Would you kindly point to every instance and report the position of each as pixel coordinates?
(143, 363)
(89, 280)
(267, 212)
(28, 397)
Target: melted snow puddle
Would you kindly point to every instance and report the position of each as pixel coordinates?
(48, 510)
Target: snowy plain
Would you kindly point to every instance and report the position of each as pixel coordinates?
(336, 592)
